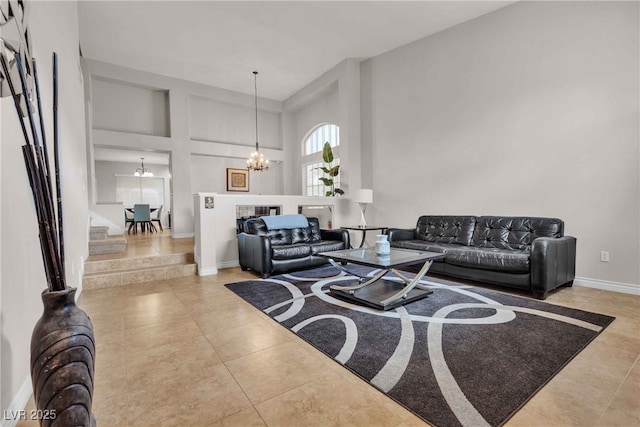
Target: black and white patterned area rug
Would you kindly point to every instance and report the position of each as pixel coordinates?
(463, 356)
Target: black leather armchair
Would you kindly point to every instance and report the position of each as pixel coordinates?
(288, 249)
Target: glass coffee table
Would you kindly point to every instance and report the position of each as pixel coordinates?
(375, 291)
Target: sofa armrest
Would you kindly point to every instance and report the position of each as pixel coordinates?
(337, 234)
(553, 263)
(397, 234)
(255, 253)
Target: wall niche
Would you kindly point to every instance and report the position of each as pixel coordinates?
(125, 107)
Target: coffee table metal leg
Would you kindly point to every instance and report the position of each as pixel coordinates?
(406, 280)
(409, 285)
(363, 279)
(364, 236)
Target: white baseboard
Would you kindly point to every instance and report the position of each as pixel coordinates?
(229, 264)
(214, 270)
(181, 235)
(11, 415)
(625, 288)
(207, 271)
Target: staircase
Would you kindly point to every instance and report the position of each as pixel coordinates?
(100, 243)
(127, 271)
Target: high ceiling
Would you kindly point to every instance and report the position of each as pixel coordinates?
(290, 43)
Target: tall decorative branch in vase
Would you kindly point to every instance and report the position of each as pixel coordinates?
(62, 342)
(331, 171)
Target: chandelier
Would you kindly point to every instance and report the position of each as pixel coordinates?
(257, 162)
(142, 171)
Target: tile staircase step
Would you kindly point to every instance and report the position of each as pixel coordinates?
(150, 261)
(112, 245)
(122, 272)
(98, 232)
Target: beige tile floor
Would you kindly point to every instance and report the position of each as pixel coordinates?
(188, 352)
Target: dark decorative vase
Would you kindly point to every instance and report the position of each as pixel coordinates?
(62, 362)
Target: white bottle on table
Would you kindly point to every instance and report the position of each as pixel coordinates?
(383, 247)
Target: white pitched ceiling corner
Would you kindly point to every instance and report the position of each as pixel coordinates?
(219, 43)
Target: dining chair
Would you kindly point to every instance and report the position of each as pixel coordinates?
(128, 219)
(142, 216)
(158, 217)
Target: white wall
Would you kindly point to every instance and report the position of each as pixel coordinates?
(106, 177)
(530, 110)
(204, 122)
(209, 174)
(332, 97)
(121, 107)
(22, 274)
(223, 121)
(2, 404)
(323, 109)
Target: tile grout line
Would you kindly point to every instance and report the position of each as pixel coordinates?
(224, 363)
(221, 361)
(615, 393)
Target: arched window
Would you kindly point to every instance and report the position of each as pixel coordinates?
(312, 158)
(324, 133)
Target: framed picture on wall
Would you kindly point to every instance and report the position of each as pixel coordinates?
(237, 179)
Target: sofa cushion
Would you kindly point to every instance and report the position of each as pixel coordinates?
(314, 226)
(421, 245)
(299, 250)
(326, 246)
(301, 235)
(446, 229)
(306, 235)
(281, 236)
(507, 260)
(515, 233)
(284, 236)
(255, 226)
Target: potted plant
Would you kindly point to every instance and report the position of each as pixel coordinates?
(331, 171)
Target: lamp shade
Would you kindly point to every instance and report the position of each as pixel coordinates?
(364, 195)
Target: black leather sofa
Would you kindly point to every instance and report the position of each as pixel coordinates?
(287, 249)
(526, 253)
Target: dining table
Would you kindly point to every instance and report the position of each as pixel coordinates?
(152, 227)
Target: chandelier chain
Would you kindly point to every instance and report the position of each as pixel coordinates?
(257, 162)
(255, 86)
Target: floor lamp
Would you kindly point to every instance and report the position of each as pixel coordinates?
(363, 198)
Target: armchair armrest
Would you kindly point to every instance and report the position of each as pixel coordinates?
(553, 263)
(255, 253)
(339, 235)
(397, 234)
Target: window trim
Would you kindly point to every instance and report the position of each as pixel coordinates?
(303, 143)
(316, 157)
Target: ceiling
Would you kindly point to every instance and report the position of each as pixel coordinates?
(290, 43)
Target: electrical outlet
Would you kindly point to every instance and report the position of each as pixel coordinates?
(604, 256)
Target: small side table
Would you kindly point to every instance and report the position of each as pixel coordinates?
(364, 231)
